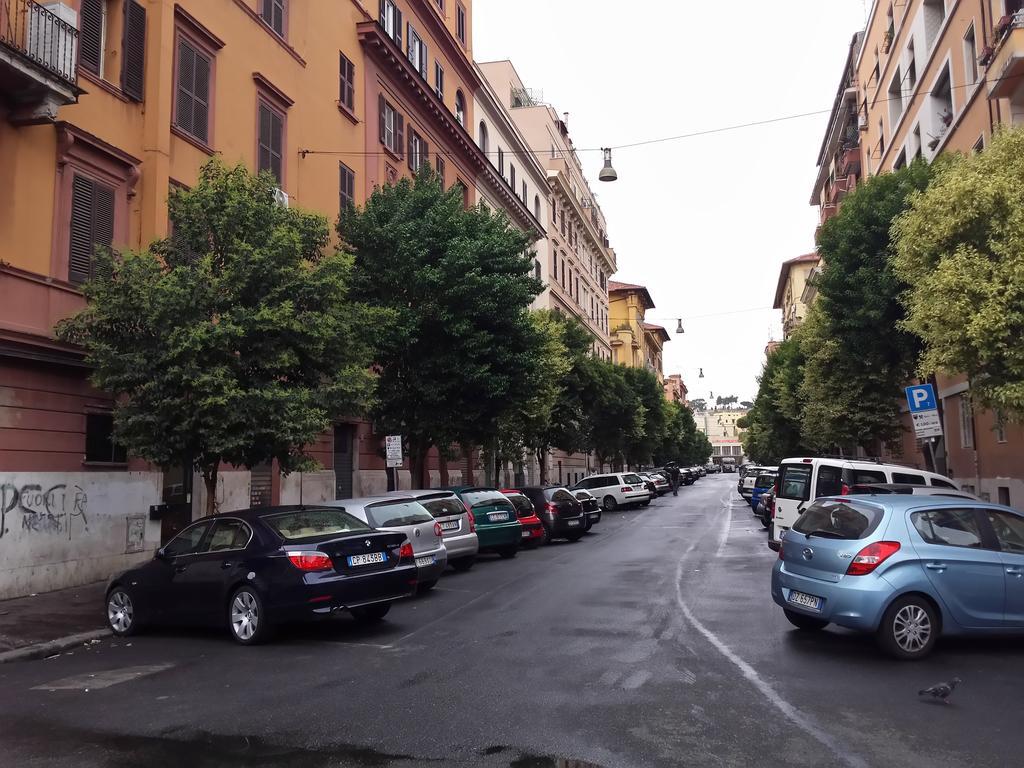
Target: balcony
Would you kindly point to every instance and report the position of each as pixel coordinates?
(849, 162)
(38, 59)
(1006, 64)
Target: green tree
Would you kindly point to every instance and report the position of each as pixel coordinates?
(858, 356)
(233, 342)
(613, 412)
(774, 422)
(651, 395)
(700, 404)
(682, 441)
(458, 284)
(960, 249)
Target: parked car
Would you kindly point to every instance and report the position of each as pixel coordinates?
(497, 522)
(621, 489)
(766, 507)
(745, 483)
(534, 533)
(686, 476)
(713, 469)
(803, 480)
(873, 489)
(457, 525)
(559, 511)
(591, 508)
(764, 481)
(660, 480)
(728, 465)
(403, 514)
(703, 471)
(249, 570)
(649, 484)
(904, 567)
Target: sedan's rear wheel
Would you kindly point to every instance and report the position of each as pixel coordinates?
(463, 564)
(247, 618)
(426, 586)
(509, 552)
(371, 613)
(909, 629)
(609, 503)
(121, 612)
(574, 537)
(804, 622)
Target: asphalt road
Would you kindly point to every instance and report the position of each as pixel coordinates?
(652, 642)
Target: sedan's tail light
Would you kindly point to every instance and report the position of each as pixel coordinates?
(437, 530)
(405, 553)
(310, 561)
(872, 556)
(626, 489)
(551, 508)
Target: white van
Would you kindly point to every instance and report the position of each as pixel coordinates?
(801, 481)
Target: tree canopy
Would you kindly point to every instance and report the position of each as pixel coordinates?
(960, 253)
(774, 422)
(233, 342)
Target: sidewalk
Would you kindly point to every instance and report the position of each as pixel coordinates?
(44, 624)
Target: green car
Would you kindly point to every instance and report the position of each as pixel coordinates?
(497, 524)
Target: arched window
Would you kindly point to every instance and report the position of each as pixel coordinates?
(483, 137)
(460, 108)
(536, 207)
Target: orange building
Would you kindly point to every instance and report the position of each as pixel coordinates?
(106, 105)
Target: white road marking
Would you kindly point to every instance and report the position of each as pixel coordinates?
(723, 537)
(637, 679)
(97, 680)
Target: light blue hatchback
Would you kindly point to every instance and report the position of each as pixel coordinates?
(907, 568)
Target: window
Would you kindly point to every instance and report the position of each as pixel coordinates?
(272, 12)
(192, 91)
(563, 272)
(460, 108)
(1003, 493)
(911, 67)
(460, 23)
(1009, 528)
(943, 484)
(100, 445)
(901, 477)
(271, 142)
(971, 54)
(512, 177)
(554, 268)
(419, 151)
(313, 523)
(92, 34)
(948, 527)
(346, 187)
(133, 55)
(848, 520)
(439, 80)
(391, 21)
(536, 207)
(895, 98)
(979, 145)
(966, 422)
(187, 542)
(536, 270)
(524, 192)
(934, 16)
(1000, 426)
(901, 160)
(229, 535)
(483, 137)
(92, 225)
(392, 126)
(439, 167)
(97, 33)
(417, 52)
(347, 77)
(795, 481)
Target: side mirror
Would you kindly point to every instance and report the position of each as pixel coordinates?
(160, 554)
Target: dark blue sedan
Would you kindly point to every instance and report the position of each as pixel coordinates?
(252, 569)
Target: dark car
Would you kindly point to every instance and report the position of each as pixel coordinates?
(534, 533)
(591, 508)
(559, 511)
(687, 476)
(765, 507)
(252, 569)
(497, 523)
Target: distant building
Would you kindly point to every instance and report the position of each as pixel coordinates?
(675, 389)
(723, 433)
(789, 292)
(635, 342)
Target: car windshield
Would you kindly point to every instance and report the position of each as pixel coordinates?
(838, 519)
(524, 507)
(313, 523)
(484, 498)
(765, 481)
(391, 514)
(446, 507)
(632, 479)
(559, 494)
(795, 481)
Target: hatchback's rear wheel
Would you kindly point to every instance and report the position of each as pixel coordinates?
(371, 613)
(121, 612)
(508, 552)
(426, 586)
(574, 537)
(247, 618)
(909, 629)
(609, 503)
(804, 622)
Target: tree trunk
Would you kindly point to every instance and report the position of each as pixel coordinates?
(210, 481)
(418, 463)
(542, 464)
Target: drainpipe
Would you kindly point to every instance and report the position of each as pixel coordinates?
(974, 439)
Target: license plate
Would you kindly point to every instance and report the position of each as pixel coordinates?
(498, 517)
(451, 525)
(367, 559)
(526, 534)
(807, 601)
(425, 561)
(572, 523)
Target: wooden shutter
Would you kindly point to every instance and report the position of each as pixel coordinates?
(383, 15)
(184, 108)
(348, 79)
(201, 99)
(133, 51)
(276, 145)
(398, 27)
(399, 134)
(425, 153)
(91, 225)
(382, 118)
(424, 59)
(90, 36)
(410, 154)
(102, 221)
(265, 131)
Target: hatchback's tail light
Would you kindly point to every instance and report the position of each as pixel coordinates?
(626, 489)
(872, 556)
(405, 553)
(472, 520)
(310, 561)
(437, 530)
(844, 490)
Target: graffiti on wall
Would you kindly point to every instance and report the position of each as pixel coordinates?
(57, 510)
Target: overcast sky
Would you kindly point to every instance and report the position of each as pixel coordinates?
(704, 222)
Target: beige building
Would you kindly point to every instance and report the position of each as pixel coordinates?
(722, 431)
(578, 258)
(675, 389)
(794, 279)
(635, 342)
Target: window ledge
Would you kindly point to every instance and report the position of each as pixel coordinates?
(391, 153)
(110, 88)
(175, 130)
(105, 464)
(348, 113)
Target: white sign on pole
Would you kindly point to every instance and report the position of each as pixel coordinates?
(393, 449)
(924, 411)
(927, 424)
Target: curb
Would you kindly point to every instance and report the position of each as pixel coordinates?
(50, 647)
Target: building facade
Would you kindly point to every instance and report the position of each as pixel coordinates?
(721, 428)
(107, 106)
(675, 389)
(635, 342)
(795, 278)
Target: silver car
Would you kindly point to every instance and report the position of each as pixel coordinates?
(457, 524)
(404, 514)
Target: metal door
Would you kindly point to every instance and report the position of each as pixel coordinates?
(343, 460)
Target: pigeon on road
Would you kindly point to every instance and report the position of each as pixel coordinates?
(941, 691)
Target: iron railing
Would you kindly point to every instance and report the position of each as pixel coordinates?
(41, 36)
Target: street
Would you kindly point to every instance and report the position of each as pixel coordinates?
(652, 642)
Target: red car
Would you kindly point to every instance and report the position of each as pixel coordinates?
(533, 529)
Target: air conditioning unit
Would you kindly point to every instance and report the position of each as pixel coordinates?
(51, 42)
(280, 197)
(862, 123)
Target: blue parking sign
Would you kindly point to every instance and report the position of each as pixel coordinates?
(921, 397)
